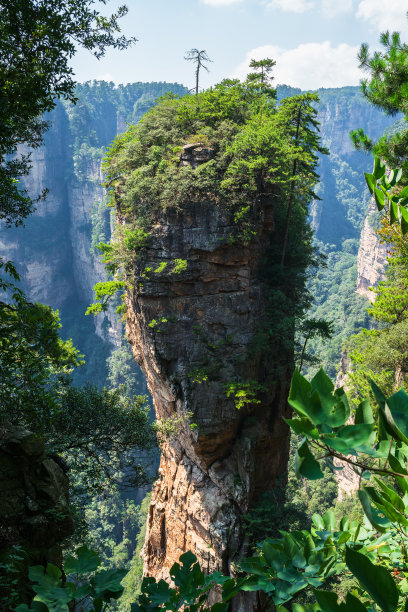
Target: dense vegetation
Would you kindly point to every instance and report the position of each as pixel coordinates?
(37, 42)
(259, 149)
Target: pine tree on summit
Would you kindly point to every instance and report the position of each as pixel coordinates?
(200, 58)
(263, 69)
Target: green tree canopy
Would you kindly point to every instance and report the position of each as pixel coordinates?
(38, 38)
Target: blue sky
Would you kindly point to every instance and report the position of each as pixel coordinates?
(314, 42)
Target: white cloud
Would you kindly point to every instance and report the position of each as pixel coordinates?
(310, 65)
(384, 14)
(329, 8)
(220, 2)
(333, 8)
(292, 6)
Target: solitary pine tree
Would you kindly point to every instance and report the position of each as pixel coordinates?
(199, 58)
(262, 70)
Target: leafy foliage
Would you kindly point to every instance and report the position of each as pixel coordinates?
(34, 361)
(244, 132)
(284, 566)
(83, 583)
(380, 353)
(37, 42)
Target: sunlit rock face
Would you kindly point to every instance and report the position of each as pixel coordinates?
(192, 332)
(372, 256)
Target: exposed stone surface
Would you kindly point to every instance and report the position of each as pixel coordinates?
(195, 154)
(348, 481)
(34, 511)
(372, 258)
(199, 325)
(53, 252)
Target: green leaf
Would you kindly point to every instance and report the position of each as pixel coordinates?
(398, 405)
(378, 394)
(253, 565)
(329, 520)
(273, 556)
(318, 521)
(50, 577)
(395, 177)
(379, 168)
(303, 427)
(322, 383)
(403, 193)
(108, 583)
(328, 601)
(376, 580)
(305, 464)
(355, 435)
(390, 426)
(386, 507)
(302, 400)
(83, 591)
(393, 212)
(370, 181)
(391, 495)
(55, 598)
(404, 219)
(379, 523)
(337, 443)
(335, 405)
(159, 593)
(397, 467)
(379, 198)
(364, 413)
(85, 561)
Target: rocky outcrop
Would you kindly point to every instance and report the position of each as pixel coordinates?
(372, 257)
(192, 332)
(34, 503)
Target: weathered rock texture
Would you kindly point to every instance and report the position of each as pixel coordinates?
(199, 325)
(34, 512)
(372, 257)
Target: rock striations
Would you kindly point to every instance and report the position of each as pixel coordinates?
(372, 257)
(192, 332)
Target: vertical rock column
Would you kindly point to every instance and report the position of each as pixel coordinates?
(193, 313)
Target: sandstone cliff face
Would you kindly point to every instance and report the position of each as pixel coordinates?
(191, 333)
(372, 258)
(53, 251)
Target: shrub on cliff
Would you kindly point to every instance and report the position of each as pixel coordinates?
(249, 147)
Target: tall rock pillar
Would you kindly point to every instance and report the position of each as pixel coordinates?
(194, 312)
